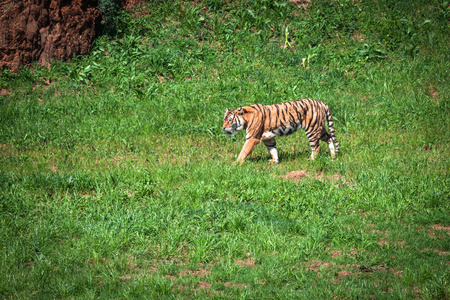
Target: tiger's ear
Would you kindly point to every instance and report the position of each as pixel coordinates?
(242, 111)
(228, 109)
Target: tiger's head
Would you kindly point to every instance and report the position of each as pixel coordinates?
(233, 120)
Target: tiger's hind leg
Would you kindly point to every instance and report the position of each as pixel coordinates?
(326, 137)
(314, 138)
(272, 147)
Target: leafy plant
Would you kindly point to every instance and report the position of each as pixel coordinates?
(110, 19)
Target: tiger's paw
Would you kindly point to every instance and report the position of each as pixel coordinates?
(274, 161)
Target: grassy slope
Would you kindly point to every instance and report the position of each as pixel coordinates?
(116, 180)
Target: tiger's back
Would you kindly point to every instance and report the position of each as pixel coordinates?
(265, 122)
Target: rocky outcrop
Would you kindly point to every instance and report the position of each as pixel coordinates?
(44, 30)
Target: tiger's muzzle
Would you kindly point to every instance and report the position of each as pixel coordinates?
(229, 131)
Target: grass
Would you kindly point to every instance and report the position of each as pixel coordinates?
(116, 178)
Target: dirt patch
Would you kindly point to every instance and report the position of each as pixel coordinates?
(152, 268)
(234, 285)
(90, 194)
(383, 242)
(344, 273)
(138, 8)
(431, 234)
(355, 252)
(433, 94)
(441, 227)
(200, 273)
(441, 253)
(399, 244)
(438, 252)
(8, 150)
(170, 277)
(381, 269)
(350, 269)
(130, 4)
(247, 263)
(96, 262)
(179, 288)
(296, 176)
(316, 265)
(204, 285)
(336, 253)
(301, 3)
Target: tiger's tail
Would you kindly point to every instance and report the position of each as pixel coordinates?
(331, 128)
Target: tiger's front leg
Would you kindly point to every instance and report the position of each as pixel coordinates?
(249, 145)
(272, 147)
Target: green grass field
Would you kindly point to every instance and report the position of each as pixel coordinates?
(116, 179)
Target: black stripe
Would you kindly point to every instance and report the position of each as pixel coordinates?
(310, 119)
(278, 113)
(293, 120)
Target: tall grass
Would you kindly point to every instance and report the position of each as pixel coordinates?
(116, 178)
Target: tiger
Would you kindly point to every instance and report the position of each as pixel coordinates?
(265, 122)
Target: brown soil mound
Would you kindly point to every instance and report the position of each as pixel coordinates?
(295, 175)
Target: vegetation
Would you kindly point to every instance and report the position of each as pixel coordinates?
(116, 180)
